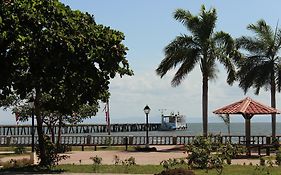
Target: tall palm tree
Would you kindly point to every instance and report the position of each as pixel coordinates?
(204, 47)
(261, 66)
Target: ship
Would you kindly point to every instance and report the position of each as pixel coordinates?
(173, 122)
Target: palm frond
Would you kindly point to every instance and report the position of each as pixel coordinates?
(263, 31)
(175, 54)
(254, 74)
(252, 45)
(192, 56)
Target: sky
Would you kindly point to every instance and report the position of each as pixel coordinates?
(148, 27)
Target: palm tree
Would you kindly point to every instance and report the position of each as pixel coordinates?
(261, 66)
(226, 120)
(204, 47)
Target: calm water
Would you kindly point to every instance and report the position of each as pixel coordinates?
(216, 128)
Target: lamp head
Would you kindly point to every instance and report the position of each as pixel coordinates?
(146, 109)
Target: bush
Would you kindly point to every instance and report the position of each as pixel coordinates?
(130, 161)
(20, 150)
(63, 148)
(167, 164)
(278, 158)
(262, 161)
(177, 171)
(52, 157)
(13, 163)
(96, 160)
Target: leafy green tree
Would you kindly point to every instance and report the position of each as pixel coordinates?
(261, 65)
(47, 49)
(204, 47)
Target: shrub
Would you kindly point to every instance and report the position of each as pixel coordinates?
(167, 164)
(262, 161)
(96, 160)
(63, 148)
(130, 161)
(177, 171)
(116, 160)
(20, 150)
(13, 163)
(278, 158)
(53, 157)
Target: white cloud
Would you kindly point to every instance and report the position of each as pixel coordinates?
(129, 95)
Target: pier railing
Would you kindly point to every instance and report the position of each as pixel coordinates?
(134, 140)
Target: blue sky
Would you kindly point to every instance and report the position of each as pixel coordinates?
(148, 27)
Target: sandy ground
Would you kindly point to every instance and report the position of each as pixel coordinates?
(141, 158)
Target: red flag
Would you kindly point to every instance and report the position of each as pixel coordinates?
(107, 118)
(17, 117)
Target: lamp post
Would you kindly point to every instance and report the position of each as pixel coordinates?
(146, 111)
(31, 105)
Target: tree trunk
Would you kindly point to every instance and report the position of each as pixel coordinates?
(205, 105)
(41, 140)
(59, 131)
(273, 105)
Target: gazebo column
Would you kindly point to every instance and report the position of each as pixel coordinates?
(248, 130)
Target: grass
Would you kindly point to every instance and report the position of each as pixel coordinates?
(148, 169)
(152, 169)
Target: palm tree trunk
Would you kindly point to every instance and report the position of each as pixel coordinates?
(205, 105)
(273, 105)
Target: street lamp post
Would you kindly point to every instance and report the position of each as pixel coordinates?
(31, 105)
(146, 111)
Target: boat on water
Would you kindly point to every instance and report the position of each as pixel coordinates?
(173, 122)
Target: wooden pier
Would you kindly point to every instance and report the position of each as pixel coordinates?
(79, 129)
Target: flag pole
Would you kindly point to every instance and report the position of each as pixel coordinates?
(108, 118)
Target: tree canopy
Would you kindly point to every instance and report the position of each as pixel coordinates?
(204, 48)
(48, 48)
(59, 56)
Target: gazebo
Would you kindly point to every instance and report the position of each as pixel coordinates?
(248, 108)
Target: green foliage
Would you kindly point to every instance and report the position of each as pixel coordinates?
(203, 48)
(20, 150)
(261, 170)
(96, 162)
(155, 169)
(59, 56)
(177, 171)
(63, 148)
(260, 66)
(129, 162)
(168, 164)
(205, 153)
(262, 161)
(278, 157)
(13, 163)
(51, 150)
(116, 160)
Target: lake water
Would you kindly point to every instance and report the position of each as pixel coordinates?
(215, 128)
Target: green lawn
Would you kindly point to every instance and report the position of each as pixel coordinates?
(152, 169)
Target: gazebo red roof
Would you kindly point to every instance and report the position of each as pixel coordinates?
(246, 106)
